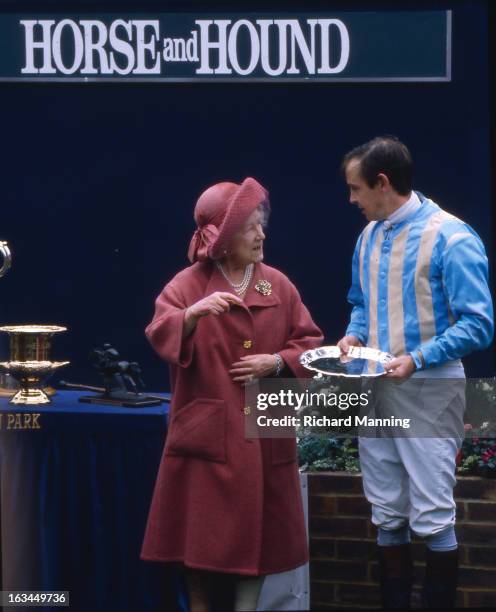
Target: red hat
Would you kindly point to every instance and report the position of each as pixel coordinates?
(220, 212)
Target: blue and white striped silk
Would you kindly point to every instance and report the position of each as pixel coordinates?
(421, 286)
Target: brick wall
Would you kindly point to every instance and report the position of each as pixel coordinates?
(343, 566)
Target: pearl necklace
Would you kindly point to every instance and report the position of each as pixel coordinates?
(241, 287)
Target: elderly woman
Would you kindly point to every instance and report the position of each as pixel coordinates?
(227, 508)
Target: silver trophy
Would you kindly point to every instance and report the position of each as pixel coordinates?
(30, 362)
(7, 384)
(7, 258)
(358, 362)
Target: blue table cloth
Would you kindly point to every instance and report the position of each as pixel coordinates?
(75, 495)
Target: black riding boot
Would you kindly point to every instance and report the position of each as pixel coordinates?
(441, 579)
(396, 566)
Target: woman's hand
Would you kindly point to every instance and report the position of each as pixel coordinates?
(214, 304)
(253, 366)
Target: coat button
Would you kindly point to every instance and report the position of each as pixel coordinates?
(247, 410)
(247, 344)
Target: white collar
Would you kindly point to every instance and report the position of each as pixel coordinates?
(404, 211)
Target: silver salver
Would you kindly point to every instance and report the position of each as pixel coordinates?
(358, 362)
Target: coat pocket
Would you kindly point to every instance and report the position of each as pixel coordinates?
(198, 430)
(283, 450)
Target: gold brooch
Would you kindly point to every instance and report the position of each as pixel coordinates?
(264, 287)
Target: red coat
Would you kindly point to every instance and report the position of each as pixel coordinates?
(222, 502)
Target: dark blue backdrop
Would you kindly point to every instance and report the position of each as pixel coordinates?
(99, 183)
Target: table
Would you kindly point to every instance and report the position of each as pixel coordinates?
(76, 482)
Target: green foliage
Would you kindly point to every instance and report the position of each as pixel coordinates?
(328, 453)
(478, 457)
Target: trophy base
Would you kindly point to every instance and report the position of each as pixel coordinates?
(30, 397)
(4, 392)
(131, 400)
